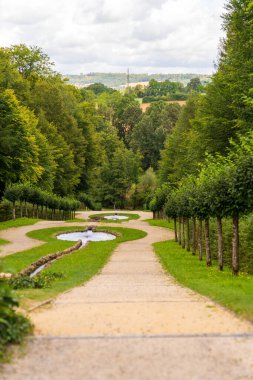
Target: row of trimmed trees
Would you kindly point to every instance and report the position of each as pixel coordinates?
(44, 204)
(223, 189)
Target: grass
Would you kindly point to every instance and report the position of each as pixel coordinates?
(3, 241)
(19, 222)
(233, 292)
(101, 216)
(77, 267)
(160, 223)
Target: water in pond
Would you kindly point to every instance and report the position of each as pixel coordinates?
(86, 236)
(115, 217)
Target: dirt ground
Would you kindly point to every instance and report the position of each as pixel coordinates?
(132, 322)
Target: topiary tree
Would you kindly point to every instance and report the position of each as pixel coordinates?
(171, 210)
(12, 193)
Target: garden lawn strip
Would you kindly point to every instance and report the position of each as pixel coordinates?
(234, 292)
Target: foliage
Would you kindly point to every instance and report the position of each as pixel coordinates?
(42, 280)
(36, 196)
(149, 135)
(13, 326)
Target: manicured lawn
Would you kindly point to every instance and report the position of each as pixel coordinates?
(101, 216)
(236, 293)
(161, 223)
(77, 267)
(2, 241)
(19, 222)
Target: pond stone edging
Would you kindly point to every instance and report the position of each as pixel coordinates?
(46, 259)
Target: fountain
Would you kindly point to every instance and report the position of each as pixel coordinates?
(86, 236)
(116, 217)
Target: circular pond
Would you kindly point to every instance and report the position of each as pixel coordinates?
(86, 236)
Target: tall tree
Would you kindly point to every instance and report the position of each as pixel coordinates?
(148, 136)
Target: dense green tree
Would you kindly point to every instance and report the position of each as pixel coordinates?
(19, 157)
(126, 115)
(66, 173)
(99, 88)
(224, 113)
(117, 175)
(178, 158)
(194, 85)
(148, 136)
(30, 61)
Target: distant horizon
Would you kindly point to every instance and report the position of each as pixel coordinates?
(139, 73)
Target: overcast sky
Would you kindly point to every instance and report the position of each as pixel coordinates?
(169, 36)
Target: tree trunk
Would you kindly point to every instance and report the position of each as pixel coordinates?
(220, 243)
(183, 233)
(188, 244)
(37, 211)
(207, 238)
(179, 231)
(194, 248)
(33, 211)
(235, 244)
(21, 209)
(13, 210)
(153, 215)
(175, 229)
(200, 240)
(26, 214)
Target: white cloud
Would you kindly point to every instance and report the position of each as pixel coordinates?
(110, 35)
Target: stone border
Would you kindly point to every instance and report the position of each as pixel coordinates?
(46, 259)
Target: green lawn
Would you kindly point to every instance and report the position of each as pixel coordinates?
(3, 241)
(77, 267)
(19, 222)
(233, 292)
(161, 223)
(129, 216)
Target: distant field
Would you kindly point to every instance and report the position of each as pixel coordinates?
(117, 80)
(144, 106)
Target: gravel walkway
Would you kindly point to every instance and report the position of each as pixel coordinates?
(133, 322)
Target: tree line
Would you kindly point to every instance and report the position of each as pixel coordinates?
(68, 141)
(167, 90)
(206, 167)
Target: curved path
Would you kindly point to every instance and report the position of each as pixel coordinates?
(132, 322)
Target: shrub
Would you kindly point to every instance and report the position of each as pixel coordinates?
(13, 326)
(40, 281)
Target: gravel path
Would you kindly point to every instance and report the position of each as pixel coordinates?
(133, 322)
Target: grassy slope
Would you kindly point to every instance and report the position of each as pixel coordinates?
(77, 268)
(228, 290)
